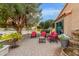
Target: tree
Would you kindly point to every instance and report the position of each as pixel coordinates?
(41, 25)
(19, 15)
(47, 24)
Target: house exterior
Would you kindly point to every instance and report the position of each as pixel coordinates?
(68, 19)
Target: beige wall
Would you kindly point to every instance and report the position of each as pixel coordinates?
(71, 22)
(67, 20)
(75, 16)
(67, 25)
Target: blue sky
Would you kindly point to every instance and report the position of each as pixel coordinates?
(51, 10)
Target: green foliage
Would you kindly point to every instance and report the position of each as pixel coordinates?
(1, 45)
(0, 36)
(29, 11)
(63, 37)
(11, 36)
(38, 27)
(16, 35)
(46, 30)
(6, 37)
(41, 25)
(47, 24)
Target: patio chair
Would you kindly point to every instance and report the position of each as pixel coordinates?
(43, 34)
(53, 37)
(42, 38)
(33, 34)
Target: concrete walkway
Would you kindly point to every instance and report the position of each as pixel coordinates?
(31, 47)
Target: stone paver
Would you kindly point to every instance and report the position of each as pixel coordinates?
(31, 47)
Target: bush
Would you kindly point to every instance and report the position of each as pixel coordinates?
(46, 30)
(11, 36)
(16, 35)
(63, 37)
(6, 37)
(1, 45)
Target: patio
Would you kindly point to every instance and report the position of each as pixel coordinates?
(31, 47)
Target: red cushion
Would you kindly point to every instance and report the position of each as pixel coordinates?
(43, 34)
(54, 34)
(33, 34)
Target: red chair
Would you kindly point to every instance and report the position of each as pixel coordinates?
(54, 34)
(43, 34)
(53, 37)
(33, 34)
(42, 38)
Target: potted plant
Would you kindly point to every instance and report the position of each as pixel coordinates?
(64, 40)
(11, 39)
(73, 48)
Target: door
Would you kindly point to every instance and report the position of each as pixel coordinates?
(60, 27)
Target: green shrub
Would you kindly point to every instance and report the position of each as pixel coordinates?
(0, 37)
(63, 37)
(1, 45)
(46, 30)
(11, 36)
(16, 35)
(6, 37)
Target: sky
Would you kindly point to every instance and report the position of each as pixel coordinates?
(51, 10)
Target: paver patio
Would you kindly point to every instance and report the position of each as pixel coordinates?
(31, 47)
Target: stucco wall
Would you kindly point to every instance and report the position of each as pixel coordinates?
(71, 22)
(67, 25)
(67, 20)
(75, 16)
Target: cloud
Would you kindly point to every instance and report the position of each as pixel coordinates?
(50, 13)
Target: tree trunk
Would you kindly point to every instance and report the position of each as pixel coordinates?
(19, 30)
(18, 22)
